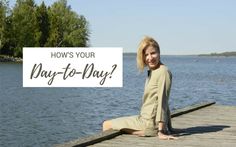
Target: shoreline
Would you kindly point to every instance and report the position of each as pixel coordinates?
(6, 58)
(224, 54)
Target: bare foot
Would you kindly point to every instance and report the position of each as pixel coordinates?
(163, 136)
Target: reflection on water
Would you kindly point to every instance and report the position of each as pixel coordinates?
(47, 116)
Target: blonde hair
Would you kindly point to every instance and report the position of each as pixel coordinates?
(146, 42)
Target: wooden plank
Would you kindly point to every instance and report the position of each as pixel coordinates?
(204, 129)
(190, 109)
(112, 133)
(92, 139)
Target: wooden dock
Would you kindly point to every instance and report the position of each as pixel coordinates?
(210, 125)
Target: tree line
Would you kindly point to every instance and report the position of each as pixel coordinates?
(31, 25)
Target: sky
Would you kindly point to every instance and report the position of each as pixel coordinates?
(181, 27)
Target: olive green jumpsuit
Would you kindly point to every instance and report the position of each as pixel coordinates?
(155, 107)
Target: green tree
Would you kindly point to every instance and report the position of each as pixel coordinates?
(25, 26)
(9, 37)
(29, 25)
(3, 12)
(67, 28)
(43, 23)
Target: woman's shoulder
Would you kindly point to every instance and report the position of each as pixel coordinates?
(162, 69)
(161, 72)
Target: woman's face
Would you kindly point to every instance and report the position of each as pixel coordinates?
(151, 57)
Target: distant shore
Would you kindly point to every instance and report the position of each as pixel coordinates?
(6, 58)
(225, 54)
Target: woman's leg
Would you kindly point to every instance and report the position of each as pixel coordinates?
(107, 125)
(133, 132)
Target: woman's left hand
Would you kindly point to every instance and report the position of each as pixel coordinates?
(163, 136)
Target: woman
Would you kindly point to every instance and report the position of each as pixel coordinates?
(154, 118)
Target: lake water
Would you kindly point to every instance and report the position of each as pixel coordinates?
(47, 116)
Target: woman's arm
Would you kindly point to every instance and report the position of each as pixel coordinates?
(162, 118)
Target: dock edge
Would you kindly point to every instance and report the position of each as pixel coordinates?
(113, 133)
